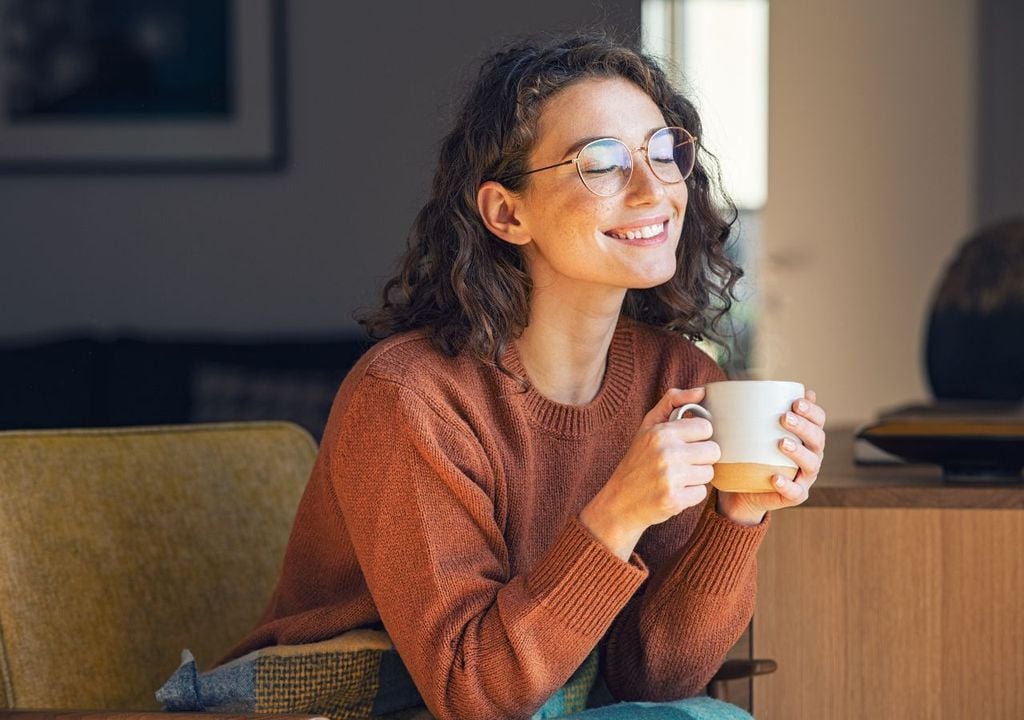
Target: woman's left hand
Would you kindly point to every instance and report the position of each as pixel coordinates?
(807, 422)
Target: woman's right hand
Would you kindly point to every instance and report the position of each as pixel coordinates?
(666, 470)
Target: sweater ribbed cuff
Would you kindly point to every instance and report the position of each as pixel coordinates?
(583, 583)
(719, 552)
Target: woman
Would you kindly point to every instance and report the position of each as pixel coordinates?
(498, 482)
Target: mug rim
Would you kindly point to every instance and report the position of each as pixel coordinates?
(753, 382)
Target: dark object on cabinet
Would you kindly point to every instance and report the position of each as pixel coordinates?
(975, 344)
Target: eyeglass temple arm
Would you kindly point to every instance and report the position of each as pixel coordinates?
(547, 167)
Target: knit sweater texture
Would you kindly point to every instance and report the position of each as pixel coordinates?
(445, 503)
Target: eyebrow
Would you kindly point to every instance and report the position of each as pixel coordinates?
(578, 145)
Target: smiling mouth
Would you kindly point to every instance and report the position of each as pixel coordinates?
(643, 232)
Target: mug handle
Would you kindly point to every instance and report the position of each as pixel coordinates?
(696, 409)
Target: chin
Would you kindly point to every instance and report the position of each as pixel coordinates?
(654, 276)
(647, 282)
(648, 286)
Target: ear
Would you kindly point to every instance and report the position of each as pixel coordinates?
(501, 210)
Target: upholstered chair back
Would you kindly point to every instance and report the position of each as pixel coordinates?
(121, 547)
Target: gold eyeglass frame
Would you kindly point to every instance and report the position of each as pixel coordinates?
(645, 148)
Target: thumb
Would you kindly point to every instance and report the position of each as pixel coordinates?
(669, 402)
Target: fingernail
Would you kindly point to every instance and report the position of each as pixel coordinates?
(788, 444)
(791, 419)
(802, 406)
(780, 481)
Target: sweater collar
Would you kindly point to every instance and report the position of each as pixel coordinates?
(580, 420)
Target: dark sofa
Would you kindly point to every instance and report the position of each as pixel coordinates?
(83, 381)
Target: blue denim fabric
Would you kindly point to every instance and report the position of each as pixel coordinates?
(697, 708)
(231, 689)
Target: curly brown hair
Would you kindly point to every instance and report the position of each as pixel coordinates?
(471, 289)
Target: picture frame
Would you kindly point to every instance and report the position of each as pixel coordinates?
(142, 86)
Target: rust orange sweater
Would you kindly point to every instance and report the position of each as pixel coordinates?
(444, 502)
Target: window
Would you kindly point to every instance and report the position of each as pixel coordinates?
(716, 52)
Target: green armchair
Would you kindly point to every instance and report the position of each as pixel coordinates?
(120, 547)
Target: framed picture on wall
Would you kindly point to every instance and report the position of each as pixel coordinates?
(142, 85)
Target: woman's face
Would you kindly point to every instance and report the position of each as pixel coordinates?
(579, 240)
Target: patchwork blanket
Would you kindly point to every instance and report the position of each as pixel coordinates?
(358, 675)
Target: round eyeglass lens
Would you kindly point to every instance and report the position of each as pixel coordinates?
(605, 166)
(671, 153)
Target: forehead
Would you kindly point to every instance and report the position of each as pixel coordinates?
(598, 107)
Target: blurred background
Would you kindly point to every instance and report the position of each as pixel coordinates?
(196, 196)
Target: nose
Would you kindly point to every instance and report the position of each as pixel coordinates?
(644, 187)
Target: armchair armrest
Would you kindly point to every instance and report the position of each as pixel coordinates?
(141, 715)
(737, 670)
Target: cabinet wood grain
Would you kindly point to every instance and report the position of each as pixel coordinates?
(891, 613)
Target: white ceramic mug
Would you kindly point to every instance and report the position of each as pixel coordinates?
(745, 417)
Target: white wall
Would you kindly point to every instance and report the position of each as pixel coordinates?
(871, 185)
(370, 93)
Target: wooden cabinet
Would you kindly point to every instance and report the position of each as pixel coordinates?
(892, 595)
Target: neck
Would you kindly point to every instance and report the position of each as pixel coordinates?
(565, 351)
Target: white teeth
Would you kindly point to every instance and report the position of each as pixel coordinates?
(647, 231)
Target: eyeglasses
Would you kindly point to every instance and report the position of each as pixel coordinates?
(606, 165)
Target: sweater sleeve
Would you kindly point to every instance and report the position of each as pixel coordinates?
(416, 493)
(673, 636)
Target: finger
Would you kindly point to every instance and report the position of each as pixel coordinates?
(791, 491)
(808, 461)
(806, 481)
(810, 435)
(688, 430)
(669, 402)
(811, 411)
(692, 495)
(694, 475)
(702, 453)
